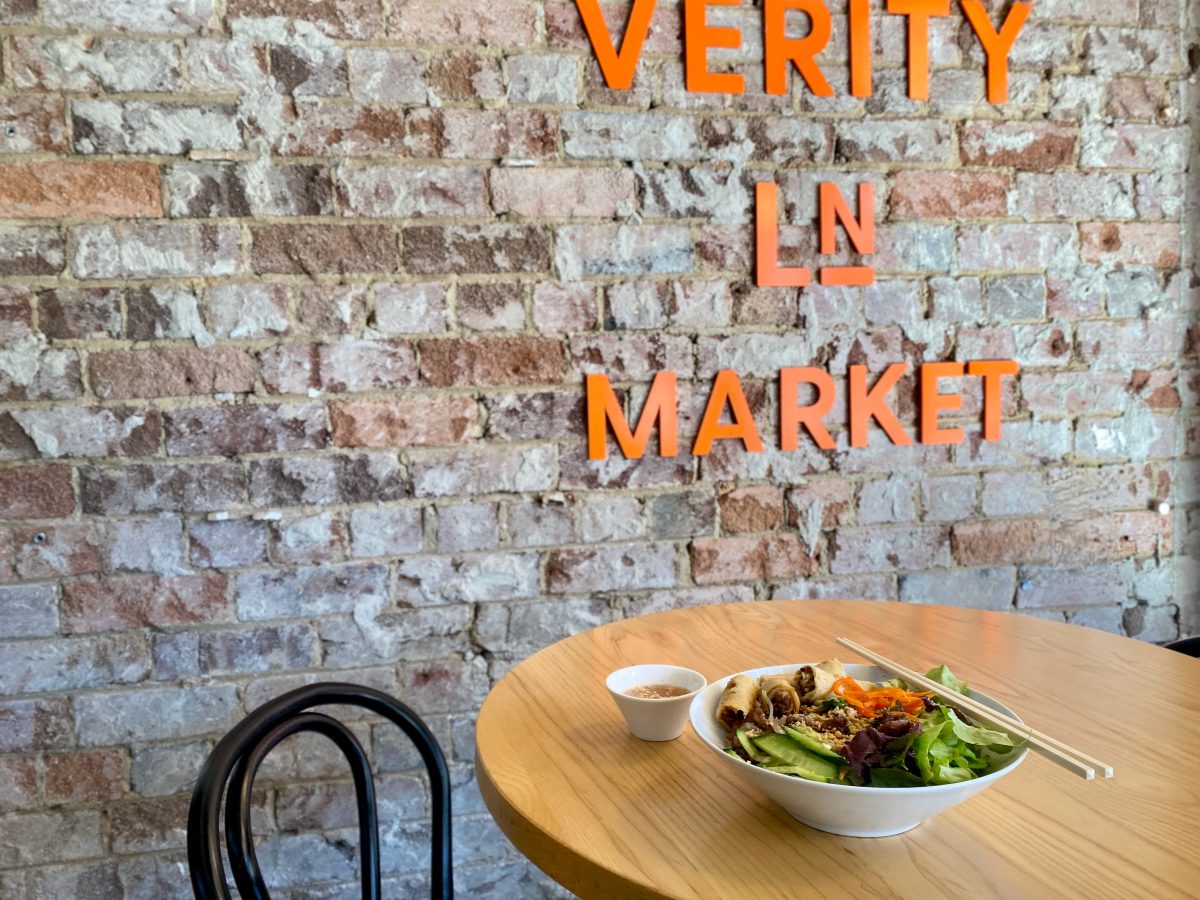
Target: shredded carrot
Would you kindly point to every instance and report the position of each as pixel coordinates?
(870, 703)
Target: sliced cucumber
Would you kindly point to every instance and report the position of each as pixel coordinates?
(800, 771)
(786, 752)
(749, 747)
(811, 741)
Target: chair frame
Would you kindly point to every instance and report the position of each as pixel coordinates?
(235, 761)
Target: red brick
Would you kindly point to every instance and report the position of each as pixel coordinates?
(138, 601)
(1003, 541)
(1023, 145)
(481, 249)
(731, 559)
(36, 492)
(1130, 244)
(491, 361)
(170, 372)
(752, 509)
(834, 498)
(324, 249)
(462, 75)
(85, 777)
(51, 190)
(411, 422)
(947, 195)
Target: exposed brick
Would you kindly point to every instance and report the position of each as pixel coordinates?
(1023, 145)
(227, 543)
(435, 580)
(542, 78)
(217, 189)
(505, 23)
(491, 307)
(733, 559)
(86, 64)
(153, 714)
(343, 130)
(481, 250)
(258, 650)
(30, 251)
(86, 777)
(36, 492)
(584, 250)
(482, 133)
(752, 509)
(79, 313)
(463, 75)
(490, 361)
(632, 357)
(410, 308)
(387, 76)
(18, 784)
(564, 307)
(632, 136)
(60, 189)
(155, 250)
(91, 432)
(49, 837)
(533, 416)
(1017, 246)
(922, 194)
(1130, 244)
(1073, 195)
(304, 481)
(171, 372)
(322, 249)
(233, 430)
(28, 611)
(412, 193)
(317, 591)
(33, 124)
(347, 365)
(308, 540)
(563, 193)
(67, 549)
(484, 471)
(630, 567)
(388, 531)
(972, 588)
(462, 527)
(606, 519)
(153, 16)
(69, 664)
(882, 548)
(141, 489)
(28, 725)
(135, 601)
(418, 421)
(535, 523)
(139, 126)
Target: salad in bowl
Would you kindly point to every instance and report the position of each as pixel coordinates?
(848, 749)
(822, 724)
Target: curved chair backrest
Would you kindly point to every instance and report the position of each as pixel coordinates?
(1189, 645)
(237, 756)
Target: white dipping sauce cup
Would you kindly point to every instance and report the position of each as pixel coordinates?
(659, 719)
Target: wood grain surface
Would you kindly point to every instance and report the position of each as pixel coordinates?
(607, 815)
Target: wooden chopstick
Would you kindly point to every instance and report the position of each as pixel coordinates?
(1055, 750)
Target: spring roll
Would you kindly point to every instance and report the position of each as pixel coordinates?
(737, 700)
(823, 676)
(781, 694)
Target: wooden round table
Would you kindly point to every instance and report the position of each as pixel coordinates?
(609, 816)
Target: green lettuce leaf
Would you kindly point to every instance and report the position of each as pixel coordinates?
(943, 676)
(973, 734)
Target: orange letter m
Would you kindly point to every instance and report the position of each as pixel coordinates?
(604, 408)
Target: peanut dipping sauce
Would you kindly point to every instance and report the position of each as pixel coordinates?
(656, 691)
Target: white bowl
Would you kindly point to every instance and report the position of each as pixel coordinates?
(660, 718)
(842, 808)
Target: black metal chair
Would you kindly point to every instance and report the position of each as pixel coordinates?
(237, 756)
(1189, 645)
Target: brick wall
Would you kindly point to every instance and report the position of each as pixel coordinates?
(296, 298)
